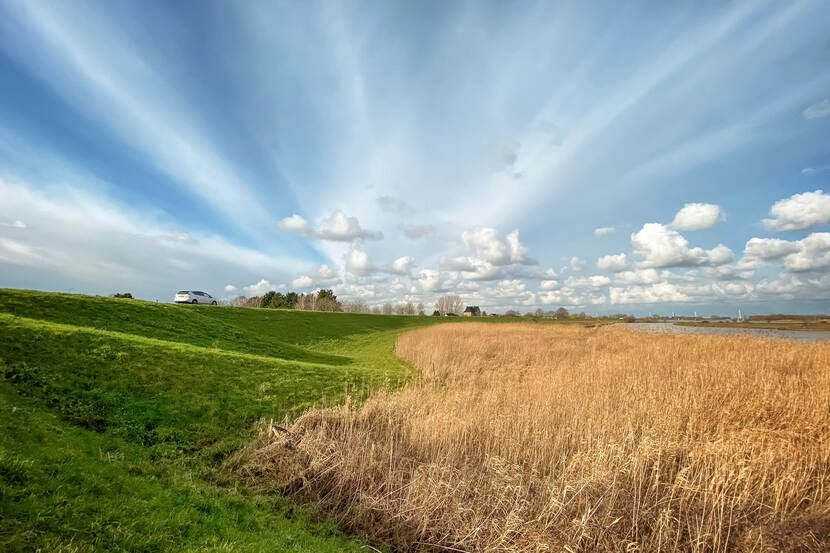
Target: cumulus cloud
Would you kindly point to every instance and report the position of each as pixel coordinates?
(357, 262)
(415, 232)
(761, 250)
(594, 281)
(813, 253)
(402, 266)
(613, 263)
(604, 231)
(697, 216)
(13, 224)
(641, 276)
(660, 246)
(576, 264)
(817, 110)
(488, 246)
(656, 293)
(230, 288)
(799, 212)
(260, 288)
(549, 285)
(428, 280)
(302, 282)
(337, 227)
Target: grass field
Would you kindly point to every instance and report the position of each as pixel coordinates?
(532, 438)
(116, 417)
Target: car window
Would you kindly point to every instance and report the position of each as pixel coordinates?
(199, 293)
(183, 292)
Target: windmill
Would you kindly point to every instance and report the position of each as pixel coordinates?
(740, 318)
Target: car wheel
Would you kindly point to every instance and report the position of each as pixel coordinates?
(195, 301)
(213, 302)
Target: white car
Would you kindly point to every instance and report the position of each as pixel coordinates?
(194, 296)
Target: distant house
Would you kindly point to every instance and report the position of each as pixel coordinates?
(472, 311)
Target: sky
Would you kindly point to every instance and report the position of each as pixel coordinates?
(606, 157)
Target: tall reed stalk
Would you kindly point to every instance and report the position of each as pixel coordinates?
(527, 437)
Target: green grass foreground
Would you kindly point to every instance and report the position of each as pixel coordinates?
(116, 416)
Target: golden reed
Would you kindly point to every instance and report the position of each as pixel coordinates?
(534, 437)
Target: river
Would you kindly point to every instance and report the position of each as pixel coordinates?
(799, 335)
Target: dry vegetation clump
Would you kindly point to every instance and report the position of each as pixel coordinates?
(526, 437)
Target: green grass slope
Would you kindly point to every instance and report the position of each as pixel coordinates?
(116, 415)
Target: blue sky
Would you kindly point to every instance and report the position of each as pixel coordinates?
(401, 151)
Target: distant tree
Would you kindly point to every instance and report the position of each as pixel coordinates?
(127, 295)
(355, 306)
(238, 301)
(327, 301)
(290, 300)
(436, 313)
(400, 309)
(561, 313)
(511, 313)
(409, 308)
(305, 302)
(376, 310)
(267, 299)
(387, 308)
(420, 309)
(449, 304)
(252, 302)
(539, 313)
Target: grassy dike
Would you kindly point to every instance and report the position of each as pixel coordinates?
(116, 416)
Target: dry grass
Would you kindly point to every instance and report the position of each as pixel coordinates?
(528, 437)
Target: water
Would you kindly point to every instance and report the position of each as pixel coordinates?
(799, 335)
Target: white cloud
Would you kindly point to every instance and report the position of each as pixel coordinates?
(93, 245)
(656, 293)
(304, 281)
(594, 281)
(604, 231)
(661, 246)
(813, 253)
(14, 224)
(761, 250)
(642, 276)
(488, 246)
(230, 288)
(357, 262)
(259, 288)
(613, 263)
(697, 216)
(549, 285)
(799, 212)
(337, 227)
(428, 280)
(576, 264)
(817, 110)
(403, 265)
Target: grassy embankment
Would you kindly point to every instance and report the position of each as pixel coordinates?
(532, 438)
(116, 417)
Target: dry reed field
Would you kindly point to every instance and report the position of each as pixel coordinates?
(534, 437)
